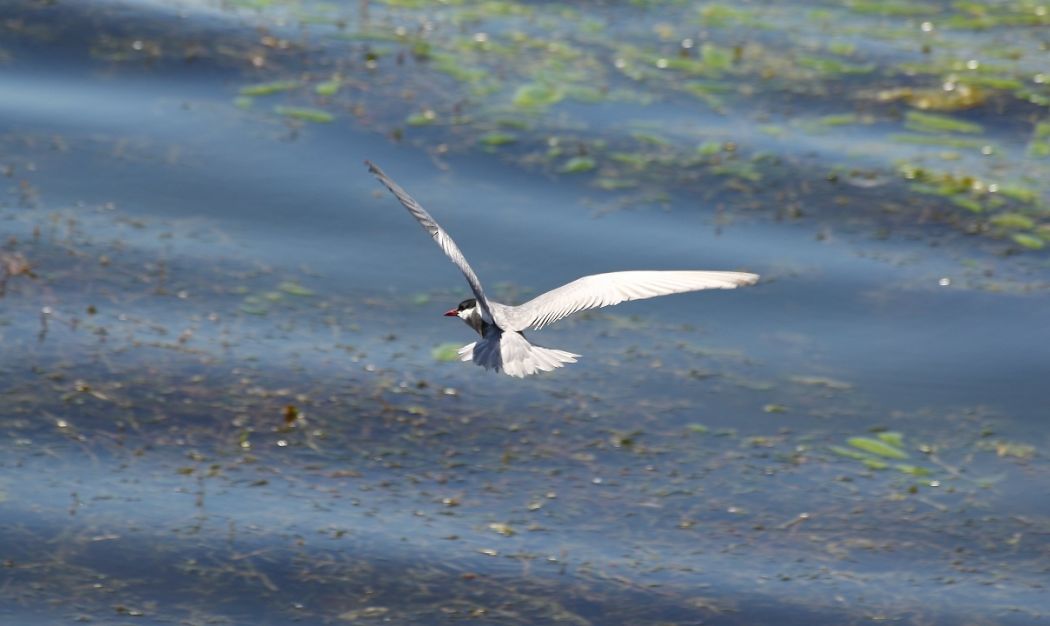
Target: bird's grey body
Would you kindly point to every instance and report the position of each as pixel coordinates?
(502, 346)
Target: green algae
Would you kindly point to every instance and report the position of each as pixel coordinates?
(934, 123)
(834, 67)
(1018, 192)
(962, 97)
(497, 138)
(708, 92)
(873, 452)
(305, 114)
(537, 96)
(329, 87)
(897, 8)
(456, 67)
(632, 159)
(913, 470)
(1031, 242)
(993, 82)
(516, 62)
(721, 15)
(709, 148)
(841, 48)
(421, 118)
(1039, 145)
(267, 89)
(968, 203)
(614, 184)
(446, 352)
(947, 141)
(578, 165)
(585, 94)
(1012, 221)
(839, 119)
(293, 288)
(983, 15)
(742, 170)
(877, 447)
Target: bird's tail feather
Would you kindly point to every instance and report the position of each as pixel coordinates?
(512, 354)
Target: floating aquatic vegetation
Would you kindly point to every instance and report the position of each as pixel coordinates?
(1030, 242)
(1017, 205)
(984, 15)
(1039, 146)
(446, 352)
(257, 5)
(708, 92)
(709, 148)
(833, 67)
(878, 452)
(329, 87)
(613, 184)
(512, 61)
(633, 159)
(422, 118)
(254, 305)
(305, 114)
(1012, 449)
(293, 288)
(900, 8)
(1012, 221)
(963, 96)
(947, 141)
(932, 123)
(840, 119)
(879, 447)
(497, 138)
(537, 96)
(588, 95)
(267, 89)
(841, 48)
(734, 168)
(578, 165)
(455, 66)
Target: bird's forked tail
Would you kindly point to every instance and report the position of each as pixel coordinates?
(512, 354)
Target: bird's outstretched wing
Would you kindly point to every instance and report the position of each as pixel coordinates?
(440, 236)
(600, 290)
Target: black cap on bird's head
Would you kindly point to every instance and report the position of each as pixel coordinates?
(469, 303)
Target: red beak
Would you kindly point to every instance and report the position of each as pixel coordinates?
(452, 313)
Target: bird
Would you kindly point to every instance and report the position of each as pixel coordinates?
(502, 346)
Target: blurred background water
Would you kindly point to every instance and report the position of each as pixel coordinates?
(226, 390)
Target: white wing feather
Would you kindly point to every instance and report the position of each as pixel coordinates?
(600, 290)
(441, 237)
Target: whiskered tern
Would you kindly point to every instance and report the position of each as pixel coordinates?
(503, 346)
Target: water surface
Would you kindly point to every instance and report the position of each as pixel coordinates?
(222, 402)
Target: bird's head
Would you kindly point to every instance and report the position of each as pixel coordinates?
(469, 312)
(464, 310)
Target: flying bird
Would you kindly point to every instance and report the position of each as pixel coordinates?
(503, 346)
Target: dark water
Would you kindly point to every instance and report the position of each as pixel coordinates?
(221, 400)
